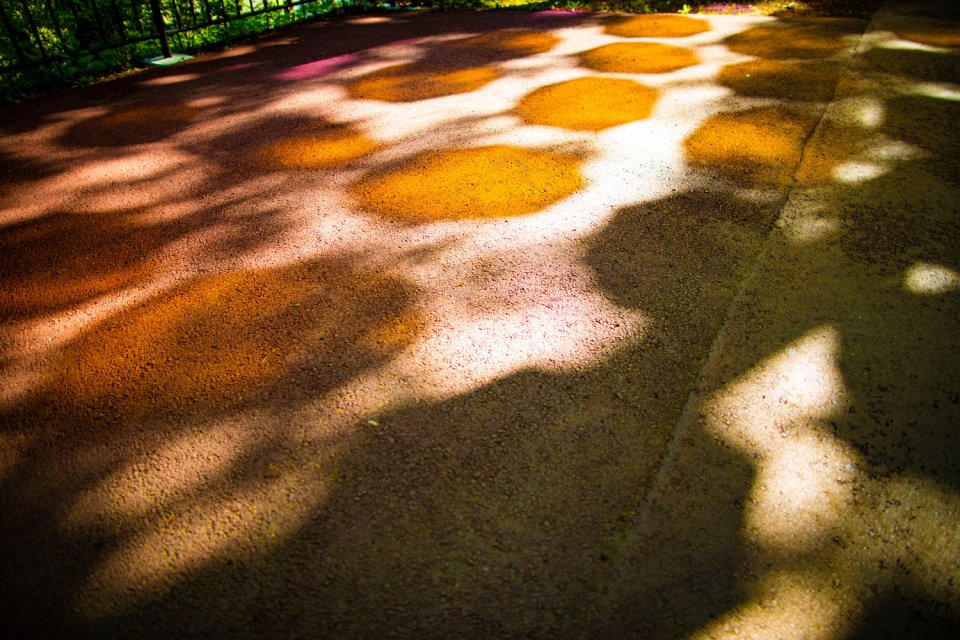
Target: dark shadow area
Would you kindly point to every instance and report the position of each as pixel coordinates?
(495, 514)
(923, 66)
(908, 615)
(801, 39)
(802, 81)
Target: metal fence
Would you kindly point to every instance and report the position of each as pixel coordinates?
(46, 33)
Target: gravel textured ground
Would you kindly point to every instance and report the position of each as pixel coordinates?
(496, 325)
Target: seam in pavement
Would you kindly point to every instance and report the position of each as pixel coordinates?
(691, 404)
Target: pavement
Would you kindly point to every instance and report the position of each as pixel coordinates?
(497, 324)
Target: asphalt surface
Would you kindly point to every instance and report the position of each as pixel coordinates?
(495, 325)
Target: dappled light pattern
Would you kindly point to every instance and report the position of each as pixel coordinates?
(451, 67)
(758, 147)
(638, 57)
(328, 148)
(656, 26)
(485, 182)
(802, 39)
(217, 343)
(64, 259)
(803, 81)
(588, 104)
(139, 125)
(413, 82)
(442, 325)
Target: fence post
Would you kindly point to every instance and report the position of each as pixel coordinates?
(160, 27)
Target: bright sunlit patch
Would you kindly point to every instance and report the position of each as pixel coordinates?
(487, 182)
(657, 26)
(930, 279)
(787, 605)
(869, 112)
(179, 469)
(810, 229)
(413, 82)
(775, 413)
(588, 104)
(938, 90)
(176, 542)
(638, 57)
(857, 172)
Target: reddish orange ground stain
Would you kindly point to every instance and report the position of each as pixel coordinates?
(221, 339)
(485, 182)
(638, 57)
(657, 26)
(413, 82)
(588, 104)
(808, 81)
(758, 147)
(795, 39)
(326, 149)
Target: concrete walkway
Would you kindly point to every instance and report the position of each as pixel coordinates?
(491, 325)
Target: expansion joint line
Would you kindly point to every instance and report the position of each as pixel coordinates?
(684, 424)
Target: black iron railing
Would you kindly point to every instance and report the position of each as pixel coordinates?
(49, 33)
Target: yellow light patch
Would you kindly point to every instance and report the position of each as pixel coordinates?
(638, 57)
(588, 104)
(657, 26)
(804, 40)
(227, 338)
(758, 146)
(808, 81)
(509, 43)
(325, 150)
(485, 182)
(413, 82)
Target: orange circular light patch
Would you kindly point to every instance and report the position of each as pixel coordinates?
(325, 150)
(638, 57)
(808, 81)
(413, 82)
(759, 146)
(803, 40)
(226, 338)
(657, 26)
(588, 104)
(484, 182)
(509, 43)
